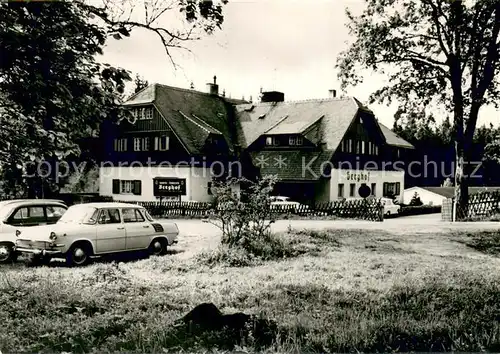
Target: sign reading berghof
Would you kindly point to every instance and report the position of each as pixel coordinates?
(163, 187)
(358, 177)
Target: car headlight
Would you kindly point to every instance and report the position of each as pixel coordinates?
(53, 236)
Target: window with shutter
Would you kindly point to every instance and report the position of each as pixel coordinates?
(116, 186)
(137, 190)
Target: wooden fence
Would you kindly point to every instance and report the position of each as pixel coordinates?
(360, 209)
(175, 209)
(481, 206)
(371, 210)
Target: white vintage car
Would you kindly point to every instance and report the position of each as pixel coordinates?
(389, 207)
(285, 203)
(91, 230)
(21, 214)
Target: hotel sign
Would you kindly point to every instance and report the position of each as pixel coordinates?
(358, 176)
(165, 187)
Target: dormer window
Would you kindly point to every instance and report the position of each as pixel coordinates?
(143, 113)
(272, 141)
(295, 140)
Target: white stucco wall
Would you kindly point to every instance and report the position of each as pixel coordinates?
(358, 177)
(427, 197)
(197, 179)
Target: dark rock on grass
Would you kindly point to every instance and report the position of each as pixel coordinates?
(236, 328)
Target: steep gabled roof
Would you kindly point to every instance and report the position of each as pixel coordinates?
(192, 115)
(295, 117)
(146, 95)
(393, 139)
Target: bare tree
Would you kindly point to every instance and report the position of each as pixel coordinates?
(188, 19)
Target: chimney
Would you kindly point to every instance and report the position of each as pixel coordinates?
(333, 93)
(272, 96)
(213, 89)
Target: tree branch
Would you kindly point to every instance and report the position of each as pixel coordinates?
(491, 57)
(436, 12)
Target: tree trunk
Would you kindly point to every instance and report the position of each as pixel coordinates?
(462, 184)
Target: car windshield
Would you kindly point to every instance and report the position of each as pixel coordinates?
(79, 214)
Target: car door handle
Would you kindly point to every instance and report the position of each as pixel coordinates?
(146, 226)
(120, 228)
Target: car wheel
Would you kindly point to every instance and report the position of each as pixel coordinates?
(7, 254)
(158, 247)
(388, 213)
(78, 255)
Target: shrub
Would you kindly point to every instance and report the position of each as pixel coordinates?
(407, 210)
(243, 223)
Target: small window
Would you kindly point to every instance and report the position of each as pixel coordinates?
(272, 141)
(120, 144)
(375, 151)
(352, 189)
(363, 147)
(350, 150)
(110, 216)
(358, 147)
(148, 113)
(341, 190)
(145, 144)
(374, 189)
(132, 215)
(295, 140)
(125, 187)
(137, 144)
(162, 143)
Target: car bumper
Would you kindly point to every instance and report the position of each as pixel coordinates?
(39, 251)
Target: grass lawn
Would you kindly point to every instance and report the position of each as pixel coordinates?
(341, 291)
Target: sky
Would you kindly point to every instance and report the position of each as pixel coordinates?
(285, 45)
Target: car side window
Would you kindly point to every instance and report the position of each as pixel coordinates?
(55, 211)
(32, 215)
(139, 216)
(20, 215)
(36, 212)
(110, 216)
(132, 215)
